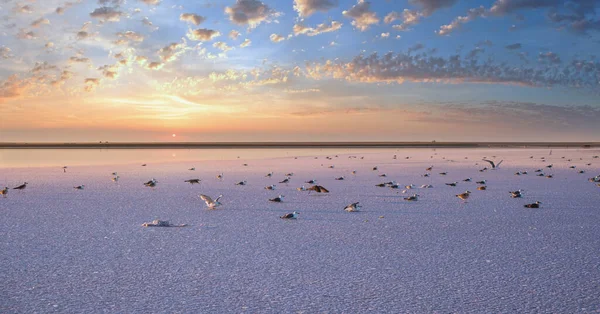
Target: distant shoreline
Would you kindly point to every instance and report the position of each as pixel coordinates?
(216, 145)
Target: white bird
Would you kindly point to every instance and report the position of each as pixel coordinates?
(209, 201)
(270, 187)
(292, 215)
(426, 186)
(354, 207)
(410, 186)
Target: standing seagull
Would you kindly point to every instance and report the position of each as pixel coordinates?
(464, 196)
(354, 207)
(80, 187)
(151, 183)
(193, 181)
(293, 215)
(241, 183)
(64, 169)
(414, 198)
(21, 187)
(220, 176)
(494, 166)
(286, 180)
(270, 187)
(4, 192)
(209, 201)
(278, 199)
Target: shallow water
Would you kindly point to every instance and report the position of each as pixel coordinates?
(66, 250)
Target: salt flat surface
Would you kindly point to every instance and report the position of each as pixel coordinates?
(66, 250)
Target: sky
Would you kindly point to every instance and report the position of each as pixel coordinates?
(299, 70)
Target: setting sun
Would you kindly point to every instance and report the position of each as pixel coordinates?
(174, 135)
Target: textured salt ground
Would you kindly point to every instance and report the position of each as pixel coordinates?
(64, 250)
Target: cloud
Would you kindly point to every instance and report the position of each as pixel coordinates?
(26, 35)
(385, 35)
(79, 60)
(300, 29)
(25, 9)
(459, 21)
(306, 8)
(149, 24)
(109, 71)
(362, 17)
(131, 35)
(409, 18)
(172, 51)
(430, 6)
(222, 46)
(401, 67)
(81, 35)
(514, 46)
(39, 22)
(549, 57)
(192, 18)
(151, 2)
(503, 7)
(91, 84)
(203, 34)
(276, 38)
(250, 12)
(155, 65)
(234, 34)
(246, 43)
(107, 14)
(5, 53)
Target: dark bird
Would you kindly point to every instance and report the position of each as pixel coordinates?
(151, 183)
(375, 168)
(549, 166)
(516, 194)
(494, 166)
(312, 181)
(340, 178)
(292, 215)
(318, 189)
(443, 173)
(278, 199)
(144, 165)
(286, 180)
(81, 187)
(464, 196)
(481, 182)
(64, 169)
(241, 183)
(383, 175)
(354, 207)
(193, 181)
(482, 188)
(270, 187)
(550, 176)
(467, 180)
(21, 187)
(413, 198)
(429, 169)
(381, 185)
(534, 205)
(452, 184)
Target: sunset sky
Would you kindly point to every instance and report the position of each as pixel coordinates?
(299, 70)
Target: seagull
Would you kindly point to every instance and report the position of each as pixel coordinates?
(467, 180)
(270, 187)
(115, 178)
(383, 175)
(241, 183)
(286, 180)
(65, 168)
(278, 199)
(312, 181)
(539, 170)
(4, 192)
(426, 186)
(550, 176)
(516, 194)
(484, 169)
(340, 178)
(426, 175)
(375, 168)
(482, 188)
(481, 182)
(302, 188)
(331, 167)
(245, 165)
(581, 171)
(151, 183)
(21, 187)
(464, 196)
(549, 166)
(381, 185)
(353, 171)
(209, 201)
(414, 198)
(293, 215)
(270, 174)
(81, 187)
(494, 166)
(318, 189)
(161, 223)
(193, 181)
(144, 165)
(429, 169)
(220, 176)
(534, 205)
(410, 186)
(443, 173)
(114, 173)
(452, 184)
(289, 174)
(354, 207)
(192, 169)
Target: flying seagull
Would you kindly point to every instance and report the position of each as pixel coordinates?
(354, 207)
(318, 189)
(209, 201)
(494, 166)
(293, 215)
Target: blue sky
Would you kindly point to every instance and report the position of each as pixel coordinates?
(278, 70)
